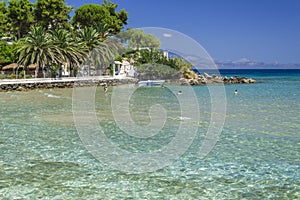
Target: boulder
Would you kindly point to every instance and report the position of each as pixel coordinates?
(252, 80)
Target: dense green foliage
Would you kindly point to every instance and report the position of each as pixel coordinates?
(157, 71)
(42, 33)
(52, 13)
(7, 54)
(137, 38)
(151, 63)
(154, 55)
(50, 49)
(51, 18)
(4, 26)
(20, 16)
(102, 17)
(38, 48)
(100, 53)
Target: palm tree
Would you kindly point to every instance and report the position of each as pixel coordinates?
(106, 52)
(38, 48)
(71, 50)
(104, 30)
(90, 38)
(101, 51)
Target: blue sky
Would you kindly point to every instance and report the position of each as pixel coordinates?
(261, 30)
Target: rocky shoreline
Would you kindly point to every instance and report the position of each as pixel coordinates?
(215, 79)
(29, 84)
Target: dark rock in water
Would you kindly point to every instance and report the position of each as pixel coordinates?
(251, 80)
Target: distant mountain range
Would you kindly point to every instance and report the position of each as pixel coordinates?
(245, 63)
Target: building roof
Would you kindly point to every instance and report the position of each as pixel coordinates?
(15, 65)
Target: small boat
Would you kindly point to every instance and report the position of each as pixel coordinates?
(151, 83)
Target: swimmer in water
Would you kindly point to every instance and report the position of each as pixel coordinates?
(235, 92)
(105, 88)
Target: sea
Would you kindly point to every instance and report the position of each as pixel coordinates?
(154, 143)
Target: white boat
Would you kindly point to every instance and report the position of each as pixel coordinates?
(151, 83)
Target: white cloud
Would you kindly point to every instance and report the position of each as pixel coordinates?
(167, 35)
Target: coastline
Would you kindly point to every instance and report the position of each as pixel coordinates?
(42, 148)
(66, 82)
(206, 79)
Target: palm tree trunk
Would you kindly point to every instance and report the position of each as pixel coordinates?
(19, 30)
(17, 72)
(44, 73)
(37, 70)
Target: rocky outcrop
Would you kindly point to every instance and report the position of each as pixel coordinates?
(215, 79)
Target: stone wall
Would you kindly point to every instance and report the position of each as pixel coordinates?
(23, 85)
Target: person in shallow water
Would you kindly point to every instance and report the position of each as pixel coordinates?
(105, 87)
(235, 92)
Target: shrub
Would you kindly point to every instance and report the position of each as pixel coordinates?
(21, 74)
(12, 76)
(157, 71)
(2, 76)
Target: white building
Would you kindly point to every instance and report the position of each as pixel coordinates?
(123, 69)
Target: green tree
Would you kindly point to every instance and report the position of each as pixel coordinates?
(52, 13)
(152, 56)
(137, 38)
(20, 16)
(101, 15)
(72, 51)
(103, 30)
(105, 53)
(7, 54)
(100, 53)
(157, 71)
(90, 37)
(119, 18)
(38, 48)
(3, 18)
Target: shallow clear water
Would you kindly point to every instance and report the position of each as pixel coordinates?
(256, 157)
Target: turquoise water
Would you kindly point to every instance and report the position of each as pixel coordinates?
(256, 156)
